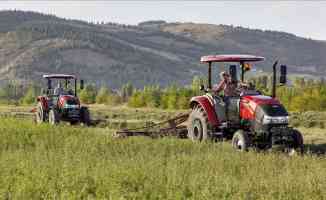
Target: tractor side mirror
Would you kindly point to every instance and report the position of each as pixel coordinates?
(283, 74)
(233, 73)
(81, 84)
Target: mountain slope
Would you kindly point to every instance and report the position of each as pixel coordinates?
(155, 52)
(300, 54)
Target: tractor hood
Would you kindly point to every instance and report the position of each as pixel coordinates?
(256, 100)
(68, 101)
(265, 109)
(249, 105)
(259, 99)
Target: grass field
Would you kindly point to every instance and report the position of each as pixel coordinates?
(72, 162)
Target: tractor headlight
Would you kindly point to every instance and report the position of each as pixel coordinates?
(267, 119)
(275, 120)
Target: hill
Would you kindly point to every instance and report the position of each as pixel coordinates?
(153, 52)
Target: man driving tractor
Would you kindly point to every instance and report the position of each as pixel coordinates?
(226, 84)
(230, 88)
(59, 90)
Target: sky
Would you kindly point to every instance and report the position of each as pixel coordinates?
(302, 18)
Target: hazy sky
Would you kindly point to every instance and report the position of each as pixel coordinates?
(307, 19)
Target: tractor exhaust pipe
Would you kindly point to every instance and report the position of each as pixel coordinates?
(274, 80)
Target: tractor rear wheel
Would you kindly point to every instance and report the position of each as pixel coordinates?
(40, 113)
(297, 145)
(198, 127)
(53, 117)
(85, 116)
(240, 141)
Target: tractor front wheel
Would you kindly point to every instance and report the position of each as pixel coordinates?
(53, 117)
(297, 146)
(198, 126)
(240, 141)
(85, 116)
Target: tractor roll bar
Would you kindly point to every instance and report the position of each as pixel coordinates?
(228, 58)
(210, 75)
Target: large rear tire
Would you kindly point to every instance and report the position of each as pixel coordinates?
(54, 117)
(40, 115)
(240, 141)
(198, 127)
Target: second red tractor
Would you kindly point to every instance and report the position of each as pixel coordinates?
(60, 102)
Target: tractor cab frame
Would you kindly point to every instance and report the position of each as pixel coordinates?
(243, 60)
(67, 81)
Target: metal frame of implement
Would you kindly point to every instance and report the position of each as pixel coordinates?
(170, 127)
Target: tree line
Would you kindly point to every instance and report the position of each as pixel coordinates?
(301, 95)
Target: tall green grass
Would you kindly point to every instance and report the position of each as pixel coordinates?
(64, 162)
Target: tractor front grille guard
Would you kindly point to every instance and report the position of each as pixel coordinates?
(281, 135)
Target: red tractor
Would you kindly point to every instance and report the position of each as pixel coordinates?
(250, 119)
(61, 103)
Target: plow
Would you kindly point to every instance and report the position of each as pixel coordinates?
(172, 127)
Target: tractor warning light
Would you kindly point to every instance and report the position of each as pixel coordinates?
(247, 66)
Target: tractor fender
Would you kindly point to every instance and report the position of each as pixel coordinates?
(43, 101)
(208, 105)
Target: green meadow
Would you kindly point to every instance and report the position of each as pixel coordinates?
(75, 162)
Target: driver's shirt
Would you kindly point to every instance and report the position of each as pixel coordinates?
(58, 91)
(227, 86)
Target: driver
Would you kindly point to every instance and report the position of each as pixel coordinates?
(226, 84)
(58, 90)
(229, 88)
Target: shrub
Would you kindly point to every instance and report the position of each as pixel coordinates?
(88, 94)
(102, 96)
(29, 97)
(114, 99)
(136, 100)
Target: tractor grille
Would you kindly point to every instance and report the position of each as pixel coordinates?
(281, 135)
(280, 130)
(72, 113)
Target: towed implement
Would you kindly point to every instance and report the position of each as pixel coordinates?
(249, 119)
(171, 127)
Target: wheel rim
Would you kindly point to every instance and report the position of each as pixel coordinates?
(39, 115)
(51, 118)
(198, 129)
(238, 143)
